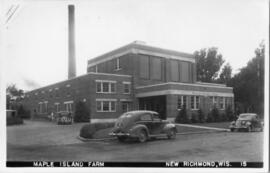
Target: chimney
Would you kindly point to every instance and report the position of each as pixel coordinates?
(71, 42)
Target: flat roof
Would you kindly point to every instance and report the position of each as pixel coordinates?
(141, 48)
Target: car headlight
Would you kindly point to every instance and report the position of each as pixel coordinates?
(248, 123)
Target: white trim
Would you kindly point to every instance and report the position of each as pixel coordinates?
(125, 100)
(110, 81)
(110, 105)
(105, 99)
(108, 74)
(179, 83)
(126, 82)
(56, 103)
(67, 102)
(139, 51)
(183, 92)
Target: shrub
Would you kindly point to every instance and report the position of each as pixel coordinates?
(201, 116)
(229, 113)
(182, 116)
(215, 114)
(209, 118)
(103, 125)
(88, 130)
(23, 113)
(82, 113)
(193, 118)
(14, 120)
(223, 117)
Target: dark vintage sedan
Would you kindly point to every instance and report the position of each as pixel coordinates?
(247, 122)
(142, 125)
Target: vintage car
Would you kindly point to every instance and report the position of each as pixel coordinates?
(64, 118)
(247, 122)
(142, 125)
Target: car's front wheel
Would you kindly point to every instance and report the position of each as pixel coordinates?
(142, 136)
(171, 134)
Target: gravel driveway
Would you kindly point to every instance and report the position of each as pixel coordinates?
(43, 133)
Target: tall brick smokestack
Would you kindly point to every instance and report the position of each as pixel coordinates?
(71, 42)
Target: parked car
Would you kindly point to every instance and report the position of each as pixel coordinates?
(248, 122)
(142, 125)
(64, 118)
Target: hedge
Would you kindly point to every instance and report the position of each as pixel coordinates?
(88, 130)
(14, 120)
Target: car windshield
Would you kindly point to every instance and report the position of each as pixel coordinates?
(246, 116)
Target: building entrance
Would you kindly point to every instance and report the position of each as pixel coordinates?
(155, 103)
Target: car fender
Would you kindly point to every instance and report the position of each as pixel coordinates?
(169, 126)
(136, 128)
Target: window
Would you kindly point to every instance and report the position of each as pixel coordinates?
(222, 102)
(182, 100)
(105, 86)
(106, 105)
(126, 87)
(144, 66)
(45, 107)
(56, 107)
(214, 101)
(69, 106)
(156, 68)
(194, 102)
(184, 72)
(174, 70)
(146, 117)
(125, 106)
(40, 107)
(117, 64)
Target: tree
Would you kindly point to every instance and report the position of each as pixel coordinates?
(182, 116)
(208, 63)
(248, 84)
(82, 113)
(226, 74)
(13, 96)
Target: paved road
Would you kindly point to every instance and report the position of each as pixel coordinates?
(194, 147)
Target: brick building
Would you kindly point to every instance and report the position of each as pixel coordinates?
(135, 76)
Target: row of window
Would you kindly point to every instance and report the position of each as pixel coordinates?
(43, 107)
(195, 102)
(116, 66)
(109, 105)
(110, 87)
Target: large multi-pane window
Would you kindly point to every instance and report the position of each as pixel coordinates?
(144, 66)
(126, 87)
(214, 101)
(184, 71)
(106, 105)
(194, 102)
(43, 107)
(222, 102)
(156, 68)
(56, 107)
(125, 106)
(69, 106)
(174, 70)
(105, 86)
(182, 101)
(117, 64)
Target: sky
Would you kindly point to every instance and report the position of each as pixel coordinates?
(36, 45)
